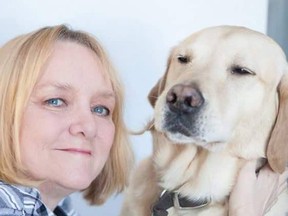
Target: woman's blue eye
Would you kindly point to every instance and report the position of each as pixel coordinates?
(101, 110)
(56, 102)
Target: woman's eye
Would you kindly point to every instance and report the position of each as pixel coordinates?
(101, 110)
(55, 102)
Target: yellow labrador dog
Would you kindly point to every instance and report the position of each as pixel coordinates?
(222, 100)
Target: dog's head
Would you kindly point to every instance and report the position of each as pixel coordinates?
(221, 90)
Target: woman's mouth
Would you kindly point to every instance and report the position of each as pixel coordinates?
(76, 151)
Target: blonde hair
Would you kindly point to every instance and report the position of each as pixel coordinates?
(21, 62)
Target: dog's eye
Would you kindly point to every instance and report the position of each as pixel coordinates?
(242, 71)
(183, 59)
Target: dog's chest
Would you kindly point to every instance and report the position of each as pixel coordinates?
(197, 174)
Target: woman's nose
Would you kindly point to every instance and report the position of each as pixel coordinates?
(83, 124)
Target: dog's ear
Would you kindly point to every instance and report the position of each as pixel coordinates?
(156, 90)
(277, 150)
(160, 85)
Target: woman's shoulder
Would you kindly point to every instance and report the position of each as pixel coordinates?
(67, 207)
(20, 199)
(11, 200)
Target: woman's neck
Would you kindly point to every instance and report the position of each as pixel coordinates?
(52, 194)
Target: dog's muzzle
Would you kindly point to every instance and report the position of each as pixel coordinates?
(184, 103)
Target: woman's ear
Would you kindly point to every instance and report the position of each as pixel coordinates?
(159, 87)
(277, 150)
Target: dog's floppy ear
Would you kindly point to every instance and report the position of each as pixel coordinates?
(160, 85)
(277, 150)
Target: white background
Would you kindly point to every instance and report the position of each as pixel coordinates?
(138, 35)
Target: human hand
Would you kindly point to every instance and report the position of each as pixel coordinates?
(255, 195)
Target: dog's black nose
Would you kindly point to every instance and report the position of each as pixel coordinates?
(184, 98)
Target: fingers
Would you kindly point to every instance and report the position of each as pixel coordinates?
(282, 185)
(261, 191)
(283, 181)
(268, 182)
(248, 170)
(267, 175)
(275, 181)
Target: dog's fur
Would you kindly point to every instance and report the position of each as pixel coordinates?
(236, 83)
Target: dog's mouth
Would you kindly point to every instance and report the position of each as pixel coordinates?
(180, 138)
(177, 127)
(191, 129)
(176, 123)
(183, 107)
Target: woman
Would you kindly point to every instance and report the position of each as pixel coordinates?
(61, 127)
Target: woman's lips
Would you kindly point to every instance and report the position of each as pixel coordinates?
(76, 151)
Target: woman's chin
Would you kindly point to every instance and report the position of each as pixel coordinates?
(81, 184)
(74, 184)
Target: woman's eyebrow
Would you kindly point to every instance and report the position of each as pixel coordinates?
(60, 86)
(67, 87)
(107, 94)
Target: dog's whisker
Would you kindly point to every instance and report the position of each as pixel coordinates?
(147, 127)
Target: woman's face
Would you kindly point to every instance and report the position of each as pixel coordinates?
(67, 128)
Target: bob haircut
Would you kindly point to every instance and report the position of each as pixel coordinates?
(21, 62)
